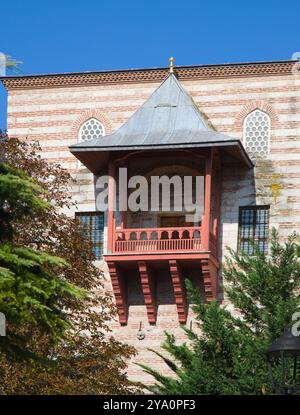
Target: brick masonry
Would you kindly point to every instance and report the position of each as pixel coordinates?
(52, 113)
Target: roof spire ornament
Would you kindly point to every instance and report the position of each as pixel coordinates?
(171, 64)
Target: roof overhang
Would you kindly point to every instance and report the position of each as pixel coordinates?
(168, 120)
(187, 72)
(96, 158)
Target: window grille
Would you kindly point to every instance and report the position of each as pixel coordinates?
(90, 129)
(92, 228)
(257, 133)
(253, 227)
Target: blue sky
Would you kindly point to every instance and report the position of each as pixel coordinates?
(82, 35)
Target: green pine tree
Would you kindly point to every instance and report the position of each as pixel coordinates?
(87, 359)
(228, 357)
(30, 283)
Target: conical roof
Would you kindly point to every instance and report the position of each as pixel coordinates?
(168, 119)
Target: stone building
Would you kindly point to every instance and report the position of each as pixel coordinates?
(234, 125)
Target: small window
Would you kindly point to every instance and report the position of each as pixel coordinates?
(92, 228)
(257, 133)
(91, 129)
(253, 227)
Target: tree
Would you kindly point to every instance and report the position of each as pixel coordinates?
(227, 356)
(30, 285)
(89, 359)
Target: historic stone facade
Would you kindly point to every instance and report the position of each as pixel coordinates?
(52, 108)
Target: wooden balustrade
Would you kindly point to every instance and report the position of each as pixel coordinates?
(157, 239)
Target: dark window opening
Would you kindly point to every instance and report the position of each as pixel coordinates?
(253, 228)
(92, 228)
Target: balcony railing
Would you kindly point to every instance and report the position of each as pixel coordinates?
(157, 239)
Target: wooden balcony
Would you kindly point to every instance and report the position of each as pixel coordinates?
(152, 240)
(177, 251)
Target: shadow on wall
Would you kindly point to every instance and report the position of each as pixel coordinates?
(164, 287)
(238, 189)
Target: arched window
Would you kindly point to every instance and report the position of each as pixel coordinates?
(257, 133)
(90, 129)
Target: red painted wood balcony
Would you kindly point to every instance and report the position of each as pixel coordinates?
(178, 250)
(151, 240)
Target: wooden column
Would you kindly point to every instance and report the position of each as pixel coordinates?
(123, 219)
(205, 229)
(149, 290)
(179, 290)
(217, 184)
(119, 287)
(123, 188)
(111, 202)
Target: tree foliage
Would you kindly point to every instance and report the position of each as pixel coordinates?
(30, 282)
(87, 359)
(227, 356)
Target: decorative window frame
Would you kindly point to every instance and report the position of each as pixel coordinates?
(251, 106)
(80, 132)
(268, 133)
(86, 115)
(262, 105)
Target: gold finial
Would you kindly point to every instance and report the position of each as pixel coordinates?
(171, 62)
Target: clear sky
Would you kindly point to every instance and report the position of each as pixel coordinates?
(83, 35)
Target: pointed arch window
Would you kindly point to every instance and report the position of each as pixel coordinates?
(91, 129)
(257, 127)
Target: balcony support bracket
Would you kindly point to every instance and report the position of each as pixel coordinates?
(210, 279)
(149, 290)
(119, 287)
(179, 290)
